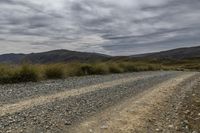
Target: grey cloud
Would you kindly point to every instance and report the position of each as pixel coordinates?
(109, 26)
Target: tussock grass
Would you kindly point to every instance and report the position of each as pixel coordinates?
(24, 73)
(54, 71)
(33, 73)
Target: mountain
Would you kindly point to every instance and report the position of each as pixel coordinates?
(67, 56)
(52, 57)
(175, 54)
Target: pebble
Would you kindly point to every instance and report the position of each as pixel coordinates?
(171, 126)
(194, 132)
(68, 123)
(104, 126)
(186, 121)
(187, 112)
(90, 130)
(157, 130)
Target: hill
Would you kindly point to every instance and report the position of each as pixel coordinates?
(52, 57)
(68, 56)
(175, 54)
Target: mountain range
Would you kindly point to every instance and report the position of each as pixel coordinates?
(67, 56)
(54, 56)
(174, 54)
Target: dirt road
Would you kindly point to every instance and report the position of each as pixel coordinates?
(120, 103)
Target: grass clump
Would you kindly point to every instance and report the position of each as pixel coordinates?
(115, 68)
(100, 68)
(81, 69)
(129, 67)
(54, 72)
(85, 69)
(24, 73)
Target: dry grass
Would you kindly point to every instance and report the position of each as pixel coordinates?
(29, 72)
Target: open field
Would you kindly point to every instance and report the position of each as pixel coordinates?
(118, 103)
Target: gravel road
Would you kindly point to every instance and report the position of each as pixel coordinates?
(12, 93)
(58, 105)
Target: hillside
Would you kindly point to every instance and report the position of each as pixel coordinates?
(52, 57)
(175, 54)
(67, 56)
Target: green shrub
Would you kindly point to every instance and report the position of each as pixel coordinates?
(86, 69)
(54, 72)
(115, 68)
(129, 67)
(26, 73)
(100, 68)
(5, 75)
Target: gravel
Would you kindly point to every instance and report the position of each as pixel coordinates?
(59, 116)
(12, 93)
(172, 116)
(15, 92)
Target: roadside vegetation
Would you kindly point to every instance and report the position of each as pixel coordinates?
(27, 72)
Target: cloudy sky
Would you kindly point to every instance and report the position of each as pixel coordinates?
(115, 27)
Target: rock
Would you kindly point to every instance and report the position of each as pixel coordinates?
(9, 131)
(157, 130)
(68, 123)
(171, 126)
(47, 127)
(194, 132)
(90, 130)
(187, 112)
(186, 121)
(21, 131)
(104, 127)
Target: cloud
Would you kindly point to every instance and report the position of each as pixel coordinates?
(106, 26)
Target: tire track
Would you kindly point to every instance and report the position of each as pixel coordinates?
(26, 104)
(131, 115)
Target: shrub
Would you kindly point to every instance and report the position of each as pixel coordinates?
(100, 68)
(115, 68)
(54, 72)
(26, 73)
(90, 69)
(5, 75)
(129, 67)
(86, 69)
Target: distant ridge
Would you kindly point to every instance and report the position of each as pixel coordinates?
(174, 54)
(52, 57)
(62, 55)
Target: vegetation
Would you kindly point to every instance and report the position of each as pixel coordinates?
(33, 72)
(24, 73)
(55, 71)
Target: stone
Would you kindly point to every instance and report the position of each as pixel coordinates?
(187, 111)
(194, 132)
(68, 123)
(186, 121)
(104, 127)
(90, 130)
(157, 130)
(171, 126)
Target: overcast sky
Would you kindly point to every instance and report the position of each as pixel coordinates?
(115, 27)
